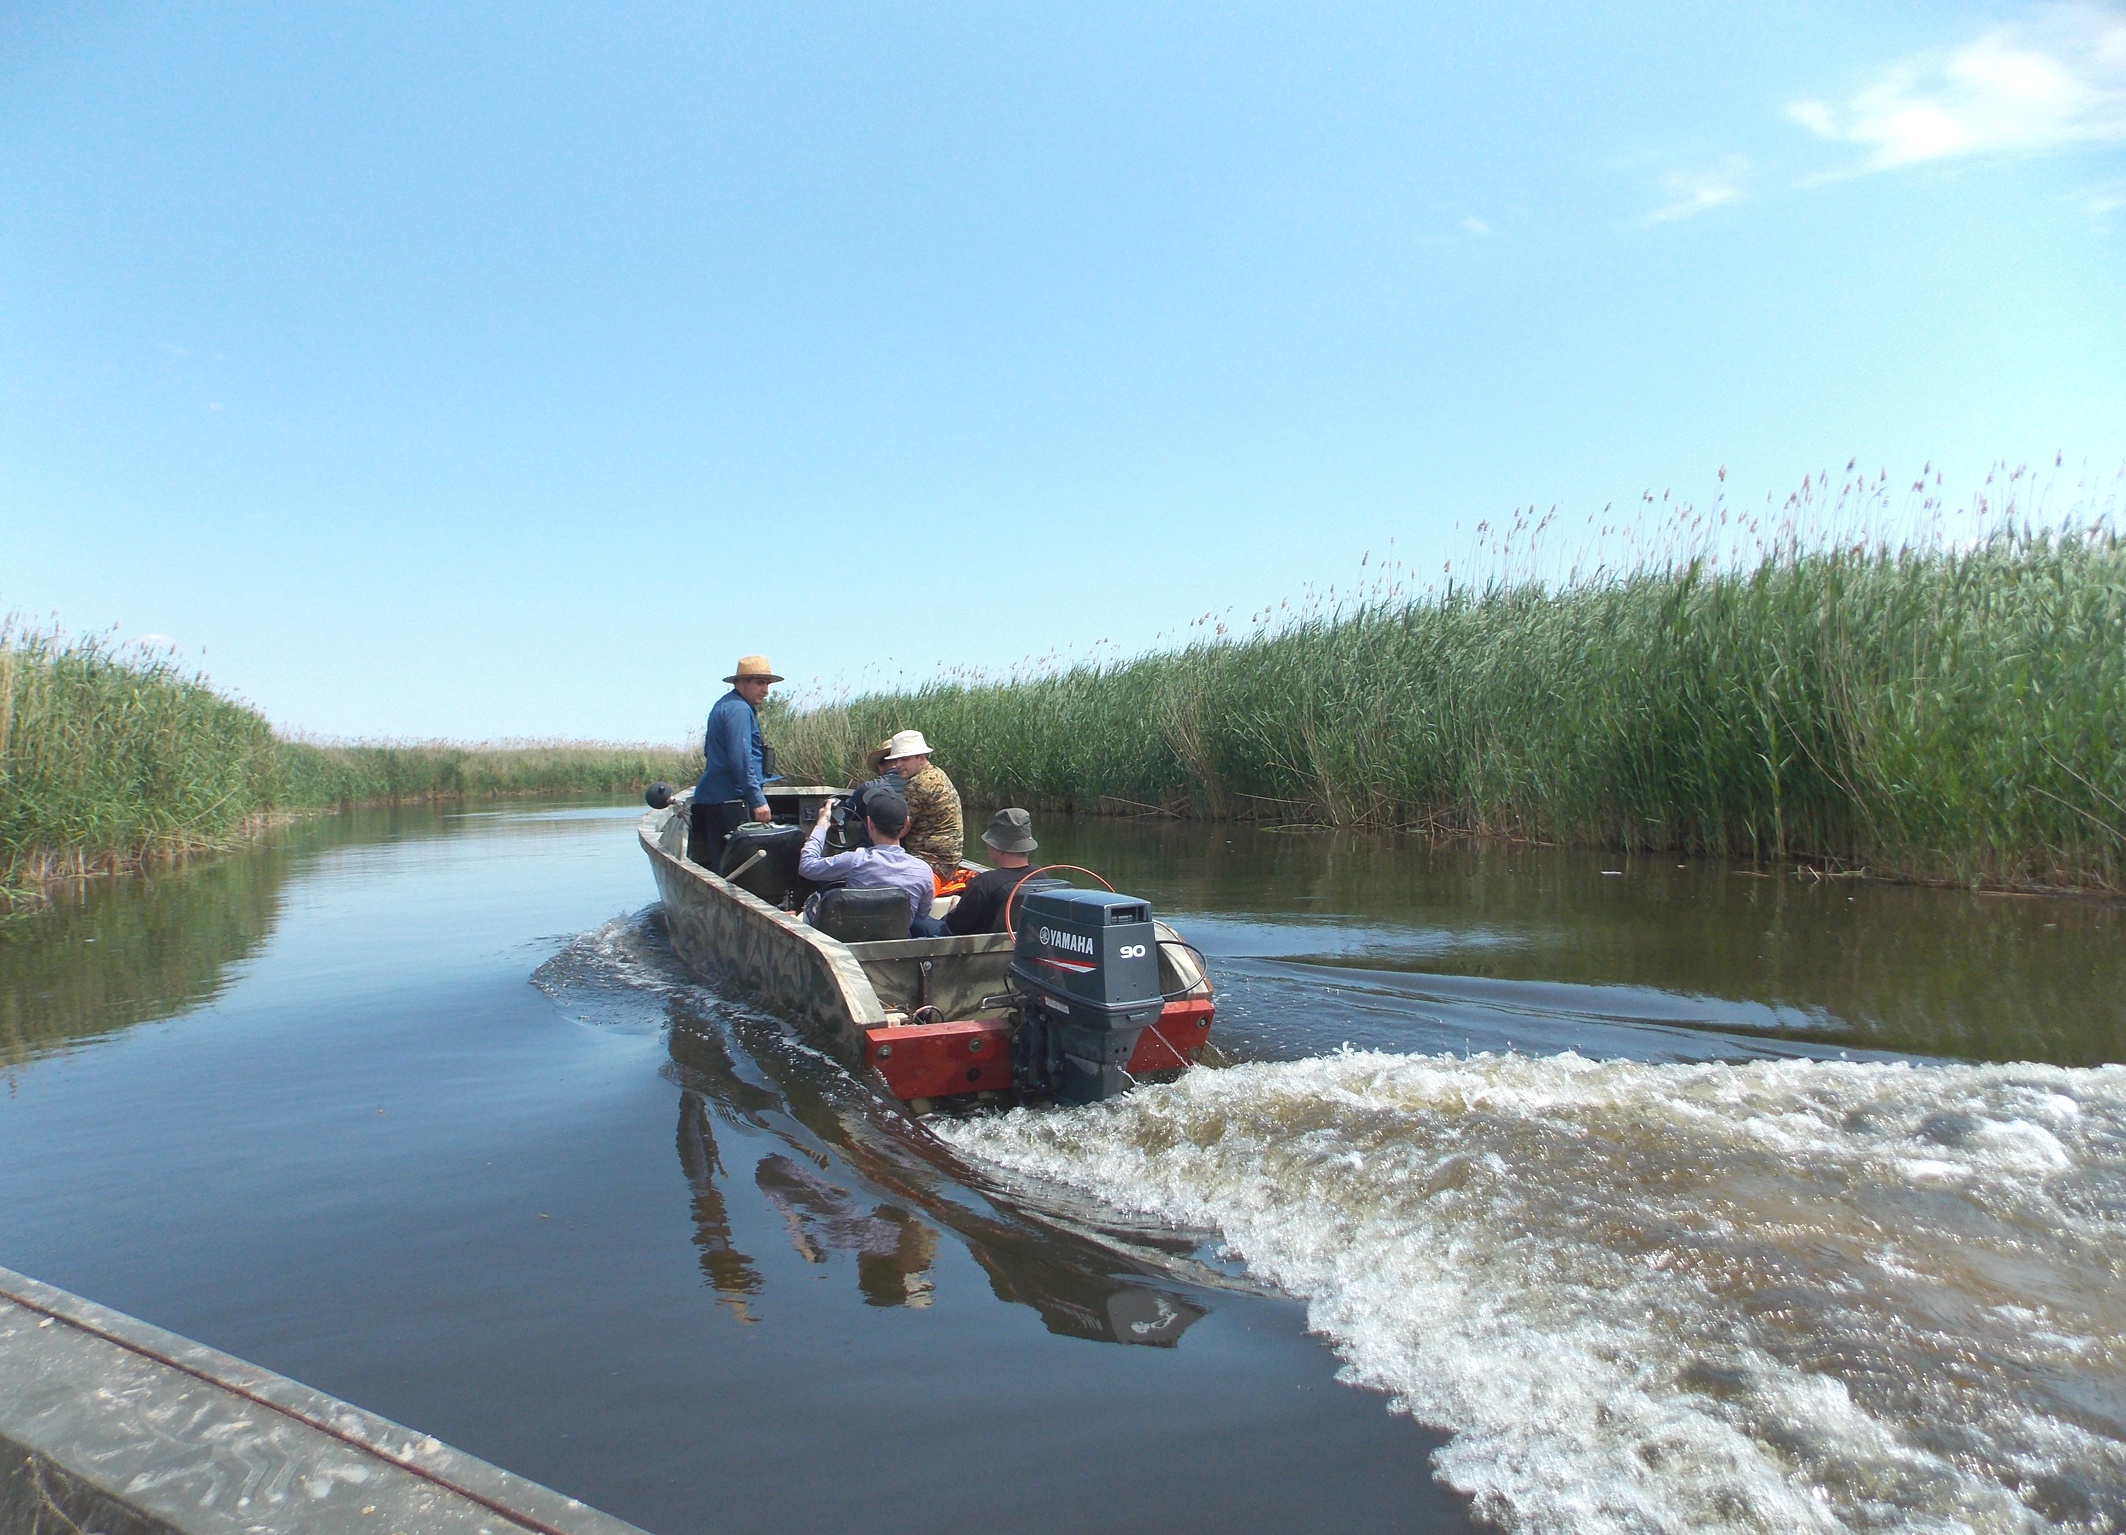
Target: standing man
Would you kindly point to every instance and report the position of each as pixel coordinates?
(730, 787)
(936, 833)
(981, 908)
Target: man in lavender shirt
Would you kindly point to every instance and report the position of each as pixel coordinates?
(885, 862)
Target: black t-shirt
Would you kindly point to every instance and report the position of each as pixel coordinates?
(981, 908)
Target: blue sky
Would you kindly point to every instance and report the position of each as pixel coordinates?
(498, 371)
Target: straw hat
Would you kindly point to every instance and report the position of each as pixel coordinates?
(753, 668)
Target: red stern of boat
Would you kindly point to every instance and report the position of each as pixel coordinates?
(1171, 1041)
(936, 1060)
(939, 1060)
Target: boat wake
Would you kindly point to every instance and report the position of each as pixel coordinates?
(619, 975)
(1787, 1295)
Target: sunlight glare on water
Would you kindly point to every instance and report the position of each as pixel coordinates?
(1787, 1295)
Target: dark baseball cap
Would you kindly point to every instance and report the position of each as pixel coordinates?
(886, 810)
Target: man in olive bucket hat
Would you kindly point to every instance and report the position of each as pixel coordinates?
(981, 909)
(733, 770)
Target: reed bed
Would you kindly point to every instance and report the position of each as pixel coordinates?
(110, 756)
(1949, 708)
(371, 772)
(1949, 713)
(106, 755)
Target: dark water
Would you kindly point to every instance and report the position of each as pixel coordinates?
(419, 1109)
(1447, 948)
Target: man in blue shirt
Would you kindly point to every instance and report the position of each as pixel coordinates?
(731, 763)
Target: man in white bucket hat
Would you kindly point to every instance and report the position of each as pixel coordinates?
(936, 833)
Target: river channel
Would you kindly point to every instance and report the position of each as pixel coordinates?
(1555, 1190)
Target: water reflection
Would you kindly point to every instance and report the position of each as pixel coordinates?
(730, 1273)
(1862, 964)
(1079, 1301)
(822, 1132)
(104, 954)
(110, 953)
(893, 1249)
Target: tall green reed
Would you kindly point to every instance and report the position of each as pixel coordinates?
(110, 756)
(1941, 710)
(105, 755)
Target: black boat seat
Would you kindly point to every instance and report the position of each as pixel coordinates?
(861, 914)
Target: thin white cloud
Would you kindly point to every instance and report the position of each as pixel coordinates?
(2056, 80)
(1692, 192)
(1476, 226)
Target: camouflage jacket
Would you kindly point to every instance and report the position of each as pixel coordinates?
(935, 832)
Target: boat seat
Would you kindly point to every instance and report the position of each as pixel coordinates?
(862, 914)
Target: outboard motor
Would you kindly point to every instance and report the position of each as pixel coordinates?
(1087, 967)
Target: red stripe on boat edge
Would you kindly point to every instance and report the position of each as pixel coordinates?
(1170, 1041)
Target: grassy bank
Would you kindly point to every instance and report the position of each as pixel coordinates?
(108, 757)
(1940, 713)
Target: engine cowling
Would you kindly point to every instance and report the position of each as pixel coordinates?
(1086, 963)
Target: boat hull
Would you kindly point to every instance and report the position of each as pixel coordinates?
(723, 931)
(932, 1017)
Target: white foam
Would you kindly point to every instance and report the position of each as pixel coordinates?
(1782, 1296)
(620, 974)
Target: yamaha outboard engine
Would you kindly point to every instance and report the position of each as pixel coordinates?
(1087, 967)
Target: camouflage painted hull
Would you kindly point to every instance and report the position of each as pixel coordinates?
(728, 933)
